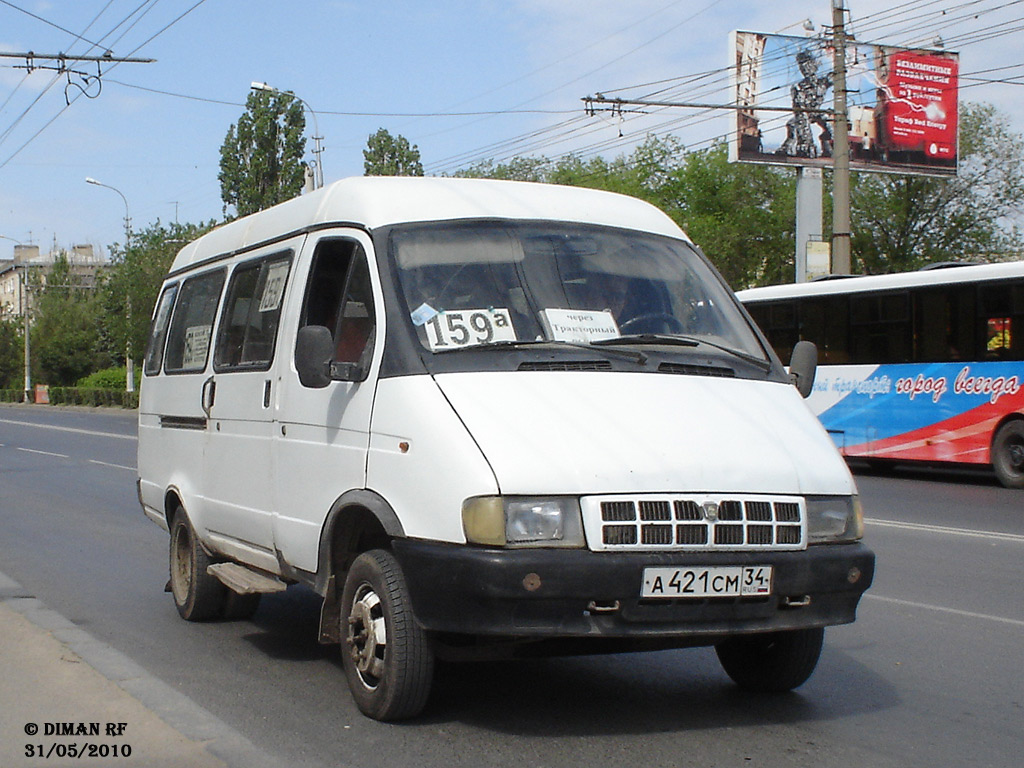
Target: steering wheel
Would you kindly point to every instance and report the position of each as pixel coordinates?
(670, 323)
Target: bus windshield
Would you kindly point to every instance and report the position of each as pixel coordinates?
(469, 284)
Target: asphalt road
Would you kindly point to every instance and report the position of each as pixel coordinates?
(931, 674)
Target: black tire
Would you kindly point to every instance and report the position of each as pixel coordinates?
(1008, 454)
(772, 662)
(198, 596)
(387, 657)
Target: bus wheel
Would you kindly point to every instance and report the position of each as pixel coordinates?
(387, 657)
(198, 596)
(1008, 454)
(772, 662)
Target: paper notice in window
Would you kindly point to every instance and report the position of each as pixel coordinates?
(579, 325)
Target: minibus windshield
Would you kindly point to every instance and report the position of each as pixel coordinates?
(470, 284)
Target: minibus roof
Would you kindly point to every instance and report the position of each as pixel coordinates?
(374, 201)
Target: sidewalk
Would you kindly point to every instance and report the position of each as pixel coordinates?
(46, 687)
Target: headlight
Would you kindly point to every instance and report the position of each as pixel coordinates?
(834, 519)
(520, 521)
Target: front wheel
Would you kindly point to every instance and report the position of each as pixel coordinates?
(1008, 454)
(387, 657)
(772, 662)
(198, 596)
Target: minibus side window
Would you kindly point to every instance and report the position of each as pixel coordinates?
(252, 311)
(340, 297)
(188, 340)
(158, 331)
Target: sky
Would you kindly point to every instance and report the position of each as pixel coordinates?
(463, 81)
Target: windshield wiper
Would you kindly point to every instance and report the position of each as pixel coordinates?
(634, 355)
(680, 341)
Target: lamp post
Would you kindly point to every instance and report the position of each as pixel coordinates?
(318, 168)
(129, 365)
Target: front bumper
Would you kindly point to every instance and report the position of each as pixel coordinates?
(552, 593)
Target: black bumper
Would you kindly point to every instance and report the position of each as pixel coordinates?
(551, 593)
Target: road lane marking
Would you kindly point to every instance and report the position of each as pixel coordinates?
(941, 609)
(946, 530)
(44, 453)
(108, 464)
(93, 432)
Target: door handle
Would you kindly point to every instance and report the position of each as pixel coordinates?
(208, 395)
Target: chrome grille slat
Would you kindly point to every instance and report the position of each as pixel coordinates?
(694, 522)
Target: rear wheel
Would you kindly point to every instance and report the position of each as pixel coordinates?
(198, 596)
(386, 655)
(772, 662)
(1008, 454)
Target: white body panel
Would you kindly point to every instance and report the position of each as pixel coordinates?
(606, 433)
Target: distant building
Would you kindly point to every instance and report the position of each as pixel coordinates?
(84, 263)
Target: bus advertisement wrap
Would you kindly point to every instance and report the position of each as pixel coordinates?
(939, 412)
(902, 104)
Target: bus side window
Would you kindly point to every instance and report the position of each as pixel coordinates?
(340, 298)
(252, 312)
(158, 331)
(188, 339)
(1001, 323)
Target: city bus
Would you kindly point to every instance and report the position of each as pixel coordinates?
(922, 366)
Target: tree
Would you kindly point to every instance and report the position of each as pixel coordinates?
(130, 285)
(261, 157)
(67, 338)
(904, 222)
(387, 155)
(12, 359)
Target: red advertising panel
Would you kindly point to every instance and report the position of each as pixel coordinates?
(921, 91)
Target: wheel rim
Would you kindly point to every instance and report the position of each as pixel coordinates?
(367, 636)
(181, 564)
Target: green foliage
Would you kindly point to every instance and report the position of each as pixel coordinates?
(387, 155)
(130, 285)
(742, 215)
(261, 157)
(93, 397)
(904, 222)
(108, 378)
(67, 338)
(12, 357)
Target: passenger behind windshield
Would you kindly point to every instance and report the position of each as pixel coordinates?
(468, 284)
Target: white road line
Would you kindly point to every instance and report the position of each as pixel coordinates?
(44, 453)
(946, 530)
(954, 611)
(77, 431)
(108, 464)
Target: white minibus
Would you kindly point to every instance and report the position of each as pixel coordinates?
(490, 418)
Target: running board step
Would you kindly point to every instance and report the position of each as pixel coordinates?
(246, 581)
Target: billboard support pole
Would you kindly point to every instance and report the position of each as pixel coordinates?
(841, 259)
(808, 215)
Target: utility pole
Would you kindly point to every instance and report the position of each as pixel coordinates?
(841, 261)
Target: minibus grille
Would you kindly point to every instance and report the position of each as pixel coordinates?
(694, 522)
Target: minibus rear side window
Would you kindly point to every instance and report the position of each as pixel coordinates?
(188, 340)
(252, 311)
(158, 331)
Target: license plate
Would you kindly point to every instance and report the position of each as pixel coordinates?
(714, 581)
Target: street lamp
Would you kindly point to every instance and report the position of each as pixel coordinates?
(318, 168)
(129, 365)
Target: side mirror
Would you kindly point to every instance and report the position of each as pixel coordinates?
(314, 349)
(802, 366)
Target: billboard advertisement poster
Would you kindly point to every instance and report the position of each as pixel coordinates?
(902, 104)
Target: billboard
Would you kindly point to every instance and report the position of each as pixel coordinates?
(902, 104)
